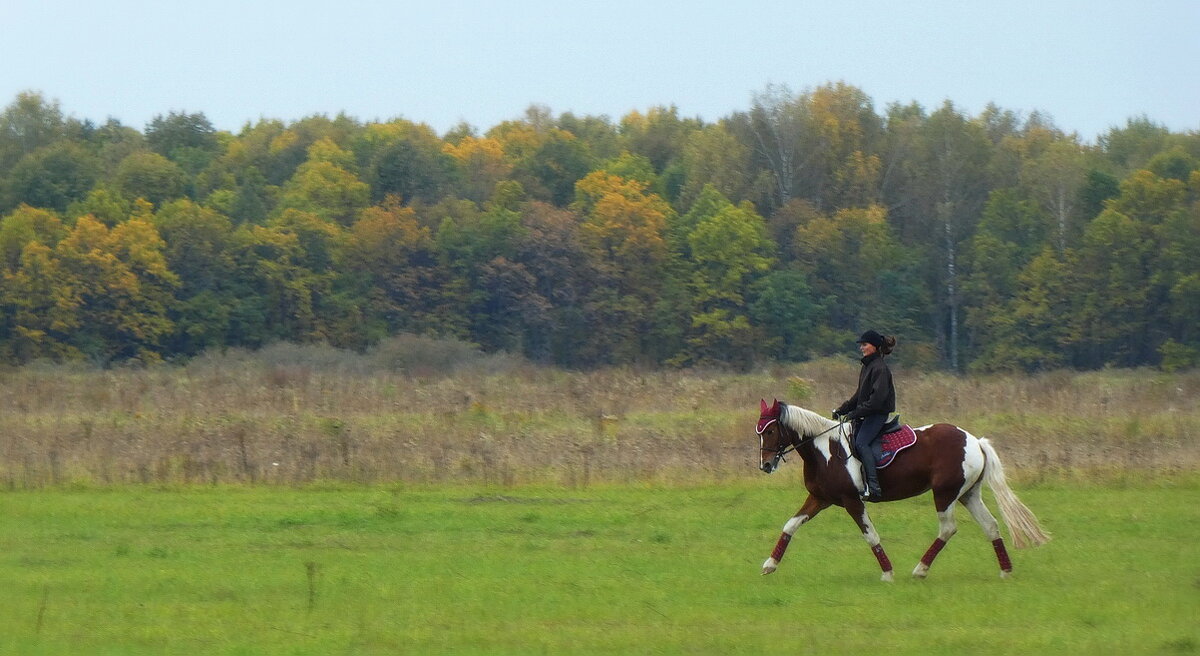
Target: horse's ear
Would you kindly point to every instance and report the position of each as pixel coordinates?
(775, 406)
(763, 406)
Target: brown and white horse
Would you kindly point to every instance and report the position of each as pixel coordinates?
(946, 459)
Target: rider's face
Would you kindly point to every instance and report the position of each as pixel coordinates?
(866, 349)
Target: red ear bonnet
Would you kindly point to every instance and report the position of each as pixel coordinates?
(768, 416)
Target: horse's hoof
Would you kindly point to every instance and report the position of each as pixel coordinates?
(1005, 573)
(921, 571)
(770, 566)
(887, 577)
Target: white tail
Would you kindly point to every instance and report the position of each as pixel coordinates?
(1022, 523)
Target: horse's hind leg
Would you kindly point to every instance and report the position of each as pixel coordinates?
(947, 527)
(973, 500)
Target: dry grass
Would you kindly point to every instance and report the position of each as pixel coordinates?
(297, 415)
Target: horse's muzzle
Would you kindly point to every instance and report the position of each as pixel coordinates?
(768, 467)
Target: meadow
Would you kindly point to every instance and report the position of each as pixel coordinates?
(305, 501)
(610, 569)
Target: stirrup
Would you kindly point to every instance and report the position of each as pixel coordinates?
(873, 496)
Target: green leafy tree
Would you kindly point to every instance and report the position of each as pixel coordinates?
(289, 279)
(954, 153)
(1148, 198)
(1174, 163)
(552, 169)
(1113, 311)
(1055, 178)
(1097, 188)
(112, 142)
(324, 186)
(1033, 331)
(104, 204)
(1011, 232)
(406, 160)
(178, 130)
(150, 176)
(199, 245)
(713, 156)
(788, 313)
(30, 122)
(730, 251)
(659, 134)
(52, 177)
(1131, 146)
(862, 277)
(186, 139)
(901, 171)
(316, 268)
(24, 226)
(598, 133)
(1177, 271)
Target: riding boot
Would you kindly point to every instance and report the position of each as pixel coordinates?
(874, 493)
(865, 440)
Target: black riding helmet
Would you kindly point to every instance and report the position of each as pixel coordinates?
(871, 337)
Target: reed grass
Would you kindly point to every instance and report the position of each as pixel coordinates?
(294, 415)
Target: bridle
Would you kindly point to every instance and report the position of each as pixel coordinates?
(792, 445)
(783, 449)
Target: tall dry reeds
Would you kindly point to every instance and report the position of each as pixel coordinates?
(292, 414)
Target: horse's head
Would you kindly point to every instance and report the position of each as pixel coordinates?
(774, 440)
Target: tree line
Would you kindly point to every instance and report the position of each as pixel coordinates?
(987, 243)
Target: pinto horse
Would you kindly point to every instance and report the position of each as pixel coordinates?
(946, 459)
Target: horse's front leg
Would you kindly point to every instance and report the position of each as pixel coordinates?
(858, 512)
(811, 507)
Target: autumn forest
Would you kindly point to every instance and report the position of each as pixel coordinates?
(989, 242)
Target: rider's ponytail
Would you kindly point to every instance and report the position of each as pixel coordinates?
(889, 343)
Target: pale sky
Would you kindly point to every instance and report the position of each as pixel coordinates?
(1090, 65)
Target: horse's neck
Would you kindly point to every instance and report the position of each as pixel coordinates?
(815, 452)
(818, 452)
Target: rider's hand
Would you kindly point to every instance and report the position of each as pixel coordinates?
(836, 416)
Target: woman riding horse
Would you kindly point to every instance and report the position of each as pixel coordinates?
(868, 409)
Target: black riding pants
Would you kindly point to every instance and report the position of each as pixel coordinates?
(864, 442)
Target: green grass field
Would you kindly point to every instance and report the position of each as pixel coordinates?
(630, 570)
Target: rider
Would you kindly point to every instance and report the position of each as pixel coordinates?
(869, 407)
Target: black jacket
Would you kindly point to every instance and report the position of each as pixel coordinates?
(875, 393)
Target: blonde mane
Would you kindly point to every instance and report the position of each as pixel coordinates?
(806, 422)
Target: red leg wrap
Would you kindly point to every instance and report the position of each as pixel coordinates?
(934, 548)
(884, 563)
(1002, 555)
(781, 547)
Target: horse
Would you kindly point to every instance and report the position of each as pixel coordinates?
(946, 459)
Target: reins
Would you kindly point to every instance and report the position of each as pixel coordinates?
(788, 448)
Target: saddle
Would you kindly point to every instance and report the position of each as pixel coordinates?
(891, 444)
(894, 437)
